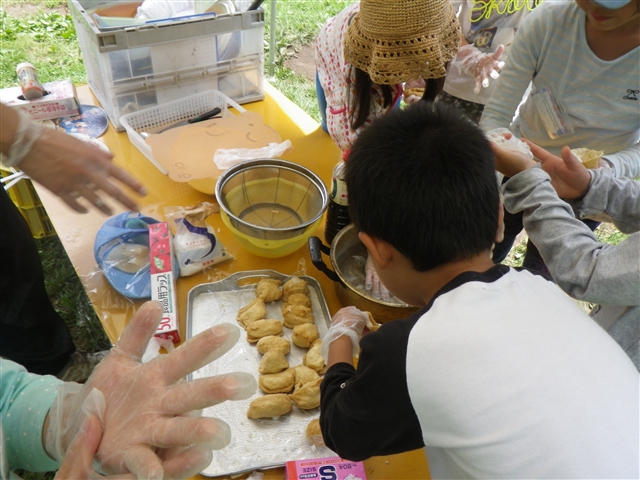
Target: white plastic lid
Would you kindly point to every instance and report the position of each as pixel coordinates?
(22, 65)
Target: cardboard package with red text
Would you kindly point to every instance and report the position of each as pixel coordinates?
(333, 468)
(60, 100)
(163, 283)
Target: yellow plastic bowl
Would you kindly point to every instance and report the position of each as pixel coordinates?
(271, 206)
(270, 248)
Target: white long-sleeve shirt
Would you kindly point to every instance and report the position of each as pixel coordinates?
(601, 98)
(501, 375)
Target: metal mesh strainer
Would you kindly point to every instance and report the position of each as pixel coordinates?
(271, 199)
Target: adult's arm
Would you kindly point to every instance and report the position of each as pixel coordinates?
(70, 168)
(582, 266)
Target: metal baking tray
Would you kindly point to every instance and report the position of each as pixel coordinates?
(264, 443)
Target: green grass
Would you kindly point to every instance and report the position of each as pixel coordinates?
(297, 24)
(46, 39)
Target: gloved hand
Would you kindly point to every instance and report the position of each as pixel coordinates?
(144, 408)
(480, 66)
(372, 282)
(347, 321)
(78, 462)
(69, 167)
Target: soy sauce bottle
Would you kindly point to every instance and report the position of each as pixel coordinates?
(338, 210)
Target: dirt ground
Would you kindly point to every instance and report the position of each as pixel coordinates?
(303, 63)
(26, 9)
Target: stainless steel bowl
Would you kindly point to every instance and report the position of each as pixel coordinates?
(271, 199)
(346, 246)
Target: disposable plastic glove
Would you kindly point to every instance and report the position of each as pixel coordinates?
(143, 408)
(480, 66)
(372, 282)
(69, 167)
(347, 321)
(78, 462)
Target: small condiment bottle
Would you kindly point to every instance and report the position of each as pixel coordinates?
(31, 87)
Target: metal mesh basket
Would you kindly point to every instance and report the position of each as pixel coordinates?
(271, 199)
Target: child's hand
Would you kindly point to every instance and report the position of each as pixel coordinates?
(568, 176)
(372, 282)
(481, 66)
(349, 322)
(511, 162)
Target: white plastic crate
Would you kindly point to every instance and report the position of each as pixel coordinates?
(134, 68)
(156, 118)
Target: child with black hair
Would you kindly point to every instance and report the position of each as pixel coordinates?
(499, 375)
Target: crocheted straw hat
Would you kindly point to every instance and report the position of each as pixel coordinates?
(395, 41)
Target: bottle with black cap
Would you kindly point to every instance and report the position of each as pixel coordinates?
(338, 210)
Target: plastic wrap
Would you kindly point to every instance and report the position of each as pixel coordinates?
(263, 443)
(226, 158)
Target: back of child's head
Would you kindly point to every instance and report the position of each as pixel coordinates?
(423, 180)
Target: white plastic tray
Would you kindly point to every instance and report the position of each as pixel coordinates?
(152, 119)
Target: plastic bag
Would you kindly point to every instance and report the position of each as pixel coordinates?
(497, 136)
(195, 243)
(225, 158)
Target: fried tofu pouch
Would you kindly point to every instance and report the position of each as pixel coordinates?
(256, 310)
(294, 315)
(282, 382)
(268, 289)
(273, 342)
(304, 335)
(589, 158)
(307, 396)
(304, 374)
(263, 328)
(314, 433)
(294, 285)
(371, 323)
(273, 361)
(299, 299)
(269, 406)
(313, 359)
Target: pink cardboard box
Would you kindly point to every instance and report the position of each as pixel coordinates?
(333, 468)
(61, 100)
(163, 285)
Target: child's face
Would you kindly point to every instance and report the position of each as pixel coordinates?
(605, 19)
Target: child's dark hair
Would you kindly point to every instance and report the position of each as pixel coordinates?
(361, 101)
(423, 180)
